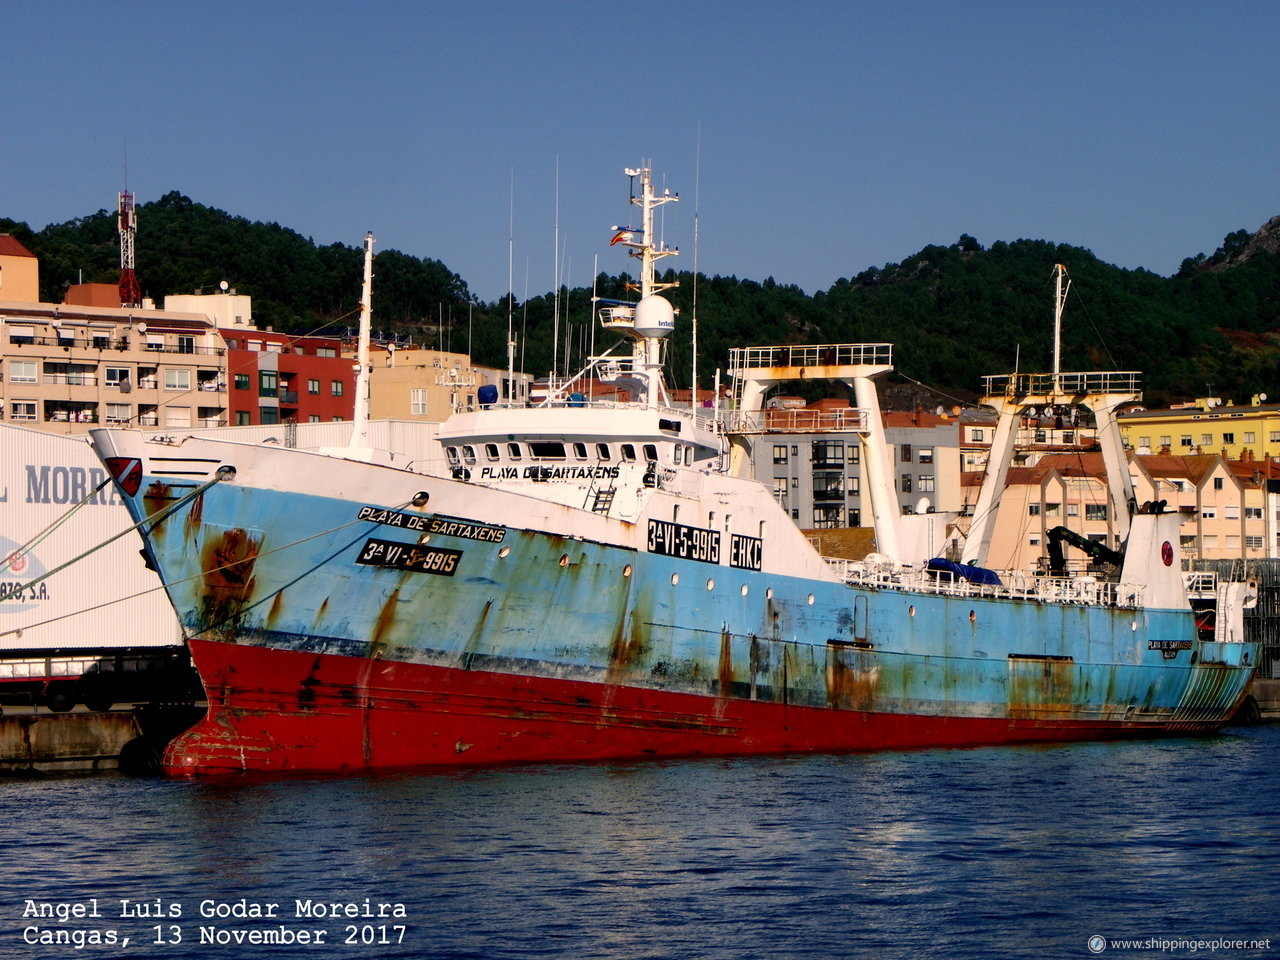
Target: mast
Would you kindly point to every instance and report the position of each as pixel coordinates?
(360, 431)
(652, 318)
(1059, 303)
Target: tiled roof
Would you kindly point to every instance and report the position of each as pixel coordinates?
(10, 247)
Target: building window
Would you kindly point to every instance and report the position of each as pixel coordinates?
(1144, 442)
(925, 483)
(975, 435)
(1206, 439)
(1095, 511)
(1228, 438)
(155, 341)
(1052, 509)
(1186, 440)
(177, 416)
(336, 387)
(1209, 513)
(177, 380)
(779, 453)
(268, 383)
(418, 402)
(326, 352)
(905, 484)
(22, 371)
(1253, 513)
(828, 487)
(1253, 543)
(1217, 483)
(1165, 441)
(313, 387)
(828, 454)
(780, 490)
(853, 452)
(851, 486)
(22, 410)
(925, 455)
(1274, 436)
(186, 344)
(242, 381)
(905, 452)
(268, 414)
(115, 376)
(1231, 511)
(1033, 509)
(1073, 509)
(828, 518)
(1250, 437)
(119, 412)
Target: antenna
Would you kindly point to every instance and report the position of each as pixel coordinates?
(555, 302)
(511, 344)
(127, 224)
(697, 184)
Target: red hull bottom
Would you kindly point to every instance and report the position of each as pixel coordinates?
(284, 711)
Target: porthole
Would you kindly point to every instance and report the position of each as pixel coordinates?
(973, 616)
(564, 559)
(425, 538)
(744, 590)
(675, 578)
(911, 611)
(711, 584)
(504, 553)
(811, 599)
(626, 571)
(768, 594)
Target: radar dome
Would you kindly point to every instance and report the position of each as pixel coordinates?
(654, 317)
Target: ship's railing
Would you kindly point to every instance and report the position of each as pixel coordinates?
(798, 421)
(1201, 583)
(811, 355)
(1080, 591)
(1062, 384)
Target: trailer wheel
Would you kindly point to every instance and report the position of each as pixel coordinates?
(59, 701)
(99, 703)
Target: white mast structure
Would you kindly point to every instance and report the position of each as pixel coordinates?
(360, 431)
(651, 319)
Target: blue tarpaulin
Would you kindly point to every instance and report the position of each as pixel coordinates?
(971, 573)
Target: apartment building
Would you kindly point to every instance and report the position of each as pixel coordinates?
(1224, 506)
(68, 368)
(1235, 432)
(812, 457)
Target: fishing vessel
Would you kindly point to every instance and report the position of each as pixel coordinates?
(591, 578)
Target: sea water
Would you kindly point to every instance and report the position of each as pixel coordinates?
(1044, 851)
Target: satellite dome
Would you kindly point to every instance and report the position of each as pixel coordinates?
(655, 317)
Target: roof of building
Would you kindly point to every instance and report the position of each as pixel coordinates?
(10, 246)
(1193, 468)
(915, 418)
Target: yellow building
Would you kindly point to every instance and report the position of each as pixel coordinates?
(419, 384)
(1234, 432)
(19, 272)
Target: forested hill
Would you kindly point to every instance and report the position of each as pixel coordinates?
(953, 312)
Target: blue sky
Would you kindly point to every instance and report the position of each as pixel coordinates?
(811, 139)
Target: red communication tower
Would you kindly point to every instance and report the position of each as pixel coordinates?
(130, 292)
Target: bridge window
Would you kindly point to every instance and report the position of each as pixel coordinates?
(491, 451)
(628, 451)
(580, 451)
(546, 449)
(602, 451)
(513, 451)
